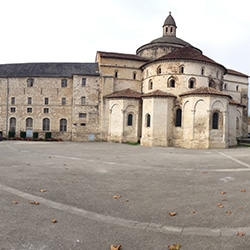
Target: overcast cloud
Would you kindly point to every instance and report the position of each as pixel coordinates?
(73, 30)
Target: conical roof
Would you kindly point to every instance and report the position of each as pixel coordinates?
(170, 21)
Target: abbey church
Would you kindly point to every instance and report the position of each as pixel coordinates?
(166, 94)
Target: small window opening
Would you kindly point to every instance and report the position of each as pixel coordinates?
(148, 120)
(130, 120)
(215, 120)
(178, 117)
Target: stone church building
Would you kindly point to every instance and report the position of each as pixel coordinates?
(167, 94)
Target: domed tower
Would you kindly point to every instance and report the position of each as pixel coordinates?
(165, 44)
(169, 26)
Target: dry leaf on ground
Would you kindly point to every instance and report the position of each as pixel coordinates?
(229, 212)
(172, 213)
(34, 202)
(220, 205)
(53, 221)
(174, 247)
(223, 192)
(117, 196)
(14, 202)
(240, 234)
(243, 190)
(43, 190)
(116, 247)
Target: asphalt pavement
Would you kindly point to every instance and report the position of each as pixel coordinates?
(88, 196)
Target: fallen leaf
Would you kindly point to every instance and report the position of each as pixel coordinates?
(14, 202)
(222, 192)
(240, 234)
(117, 196)
(243, 190)
(240, 207)
(115, 247)
(229, 212)
(224, 199)
(53, 221)
(126, 200)
(174, 247)
(43, 190)
(172, 213)
(220, 205)
(193, 212)
(34, 202)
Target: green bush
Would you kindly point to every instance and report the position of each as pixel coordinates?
(23, 134)
(35, 135)
(47, 135)
(12, 134)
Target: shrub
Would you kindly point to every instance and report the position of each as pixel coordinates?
(47, 135)
(12, 134)
(23, 134)
(35, 135)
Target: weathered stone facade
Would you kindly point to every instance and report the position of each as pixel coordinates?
(168, 94)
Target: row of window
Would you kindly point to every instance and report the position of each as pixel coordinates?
(182, 71)
(191, 84)
(46, 101)
(171, 83)
(29, 110)
(134, 75)
(178, 119)
(45, 124)
(64, 82)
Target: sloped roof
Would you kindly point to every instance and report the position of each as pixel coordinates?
(121, 56)
(206, 91)
(188, 53)
(48, 69)
(234, 72)
(125, 93)
(233, 102)
(158, 93)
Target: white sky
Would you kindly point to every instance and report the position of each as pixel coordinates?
(73, 30)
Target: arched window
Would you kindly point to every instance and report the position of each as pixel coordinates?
(225, 86)
(237, 88)
(202, 70)
(178, 116)
(63, 125)
(211, 84)
(159, 70)
(172, 83)
(29, 123)
(83, 100)
(148, 120)
(191, 83)
(134, 75)
(181, 69)
(116, 74)
(13, 124)
(237, 123)
(46, 124)
(130, 120)
(166, 29)
(215, 120)
(150, 84)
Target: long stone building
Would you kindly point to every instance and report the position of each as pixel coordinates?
(167, 94)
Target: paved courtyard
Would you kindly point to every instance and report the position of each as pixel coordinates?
(87, 196)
